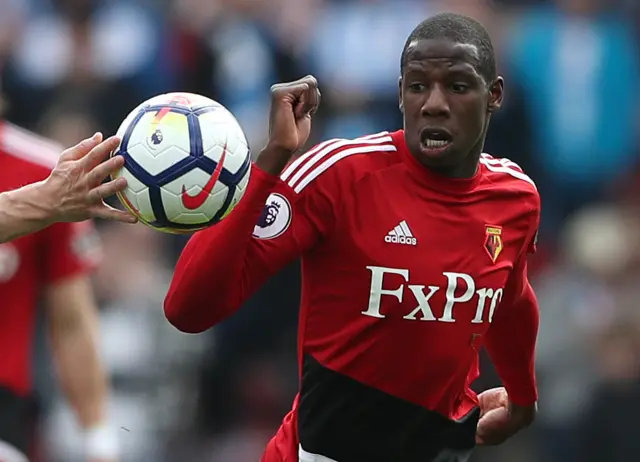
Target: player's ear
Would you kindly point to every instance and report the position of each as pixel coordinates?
(496, 94)
(400, 104)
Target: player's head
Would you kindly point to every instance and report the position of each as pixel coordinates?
(448, 89)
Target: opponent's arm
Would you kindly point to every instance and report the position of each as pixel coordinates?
(73, 192)
(222, 266)
(68, 254)
(73, 329)
(23, 211)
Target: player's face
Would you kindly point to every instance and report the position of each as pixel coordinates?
(446, 105)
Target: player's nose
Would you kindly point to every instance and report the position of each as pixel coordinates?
(436, 103)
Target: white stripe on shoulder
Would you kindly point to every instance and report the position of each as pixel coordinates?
(304, 165)
(335, 157)
(327, 146)
(295, 164)
(505, 162)
(23, 144)
(505, 166)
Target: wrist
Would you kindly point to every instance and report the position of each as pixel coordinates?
(33, 203)
(48, 198)
(523, 415)
(273, 159)
(101, 441)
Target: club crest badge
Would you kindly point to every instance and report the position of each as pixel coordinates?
(493, 244)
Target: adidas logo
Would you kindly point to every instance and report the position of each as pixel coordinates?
(401, 234)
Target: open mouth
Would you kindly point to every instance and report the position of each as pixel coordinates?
(435, 138)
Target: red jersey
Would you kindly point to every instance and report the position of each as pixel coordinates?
(406, 274)
(28, 264)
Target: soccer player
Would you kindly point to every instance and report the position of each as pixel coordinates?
(51, 265)
(414, 256)
(74, 191)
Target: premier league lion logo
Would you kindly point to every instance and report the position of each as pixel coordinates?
(156, 137)
(274, 219)
(269, 214)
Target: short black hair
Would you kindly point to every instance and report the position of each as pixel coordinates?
(460, 29)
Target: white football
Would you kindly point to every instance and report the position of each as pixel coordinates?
(187, 162)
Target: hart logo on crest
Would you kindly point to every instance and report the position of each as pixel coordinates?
(493, 242)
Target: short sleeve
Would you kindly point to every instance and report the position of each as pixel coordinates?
(69, 249)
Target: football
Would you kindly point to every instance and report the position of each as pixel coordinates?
(187, 162)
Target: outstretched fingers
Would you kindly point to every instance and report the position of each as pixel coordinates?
(106, 212)
(103, 170)
(81, 149)
(99, 153)
(104, 190)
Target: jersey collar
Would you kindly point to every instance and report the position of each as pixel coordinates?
(429, 178)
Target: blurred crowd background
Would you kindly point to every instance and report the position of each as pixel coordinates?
(71, 67)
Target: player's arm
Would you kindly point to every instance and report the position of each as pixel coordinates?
(511, 339)
(70, 250)
(222, 266)
(511, 342)
(73, 192)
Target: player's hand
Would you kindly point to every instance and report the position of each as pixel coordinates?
(292, 106)
(75, 190)
(500, 419)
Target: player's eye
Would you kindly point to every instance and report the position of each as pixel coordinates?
(417, 87)
(459, 87)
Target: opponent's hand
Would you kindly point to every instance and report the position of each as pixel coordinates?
(75, 190)
(499, 419)
(292, 106)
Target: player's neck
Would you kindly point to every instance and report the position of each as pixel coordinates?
(467, 169)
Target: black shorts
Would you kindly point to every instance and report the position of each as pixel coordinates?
(17, 417)
(458, 449)
(453, 456)
(457, 443)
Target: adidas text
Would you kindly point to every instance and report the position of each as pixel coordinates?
(400, 240)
